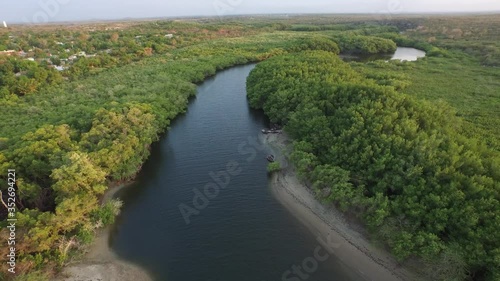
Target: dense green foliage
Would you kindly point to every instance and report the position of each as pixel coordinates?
(358, 44)
(273, 167)
(23, 77)
(458, 79)
(422, 186)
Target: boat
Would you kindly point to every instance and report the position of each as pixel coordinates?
(270, 158)
(272, 131)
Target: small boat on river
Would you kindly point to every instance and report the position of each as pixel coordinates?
(270, 158)
(271, 131)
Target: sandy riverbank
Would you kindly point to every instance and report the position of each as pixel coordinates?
(352, 247)
(100, 263)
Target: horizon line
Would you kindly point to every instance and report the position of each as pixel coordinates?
(16, 23)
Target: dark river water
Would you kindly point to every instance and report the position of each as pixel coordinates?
(244, 233)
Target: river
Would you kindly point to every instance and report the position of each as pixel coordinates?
(244, 233)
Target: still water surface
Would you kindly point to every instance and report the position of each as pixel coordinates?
(244, 233)
(402, 53)
(407, 54)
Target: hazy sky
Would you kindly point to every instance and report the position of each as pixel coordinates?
(39, 11)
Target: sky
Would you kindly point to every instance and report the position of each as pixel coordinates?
(41, 11)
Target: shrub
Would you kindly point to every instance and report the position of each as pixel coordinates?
(273, 167)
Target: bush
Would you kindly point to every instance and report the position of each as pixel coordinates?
(273, 167)
(86, 236)
(107, 213)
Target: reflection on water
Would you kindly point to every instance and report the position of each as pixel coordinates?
(408, 54)
(402, 53)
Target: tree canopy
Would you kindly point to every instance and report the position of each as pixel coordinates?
(420, 184)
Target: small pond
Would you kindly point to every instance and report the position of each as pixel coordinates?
(402, 53)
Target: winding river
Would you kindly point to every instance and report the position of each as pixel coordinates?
(244, 233)
(201, 208)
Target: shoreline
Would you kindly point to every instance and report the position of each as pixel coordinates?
(99, 262)
(354, 248)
